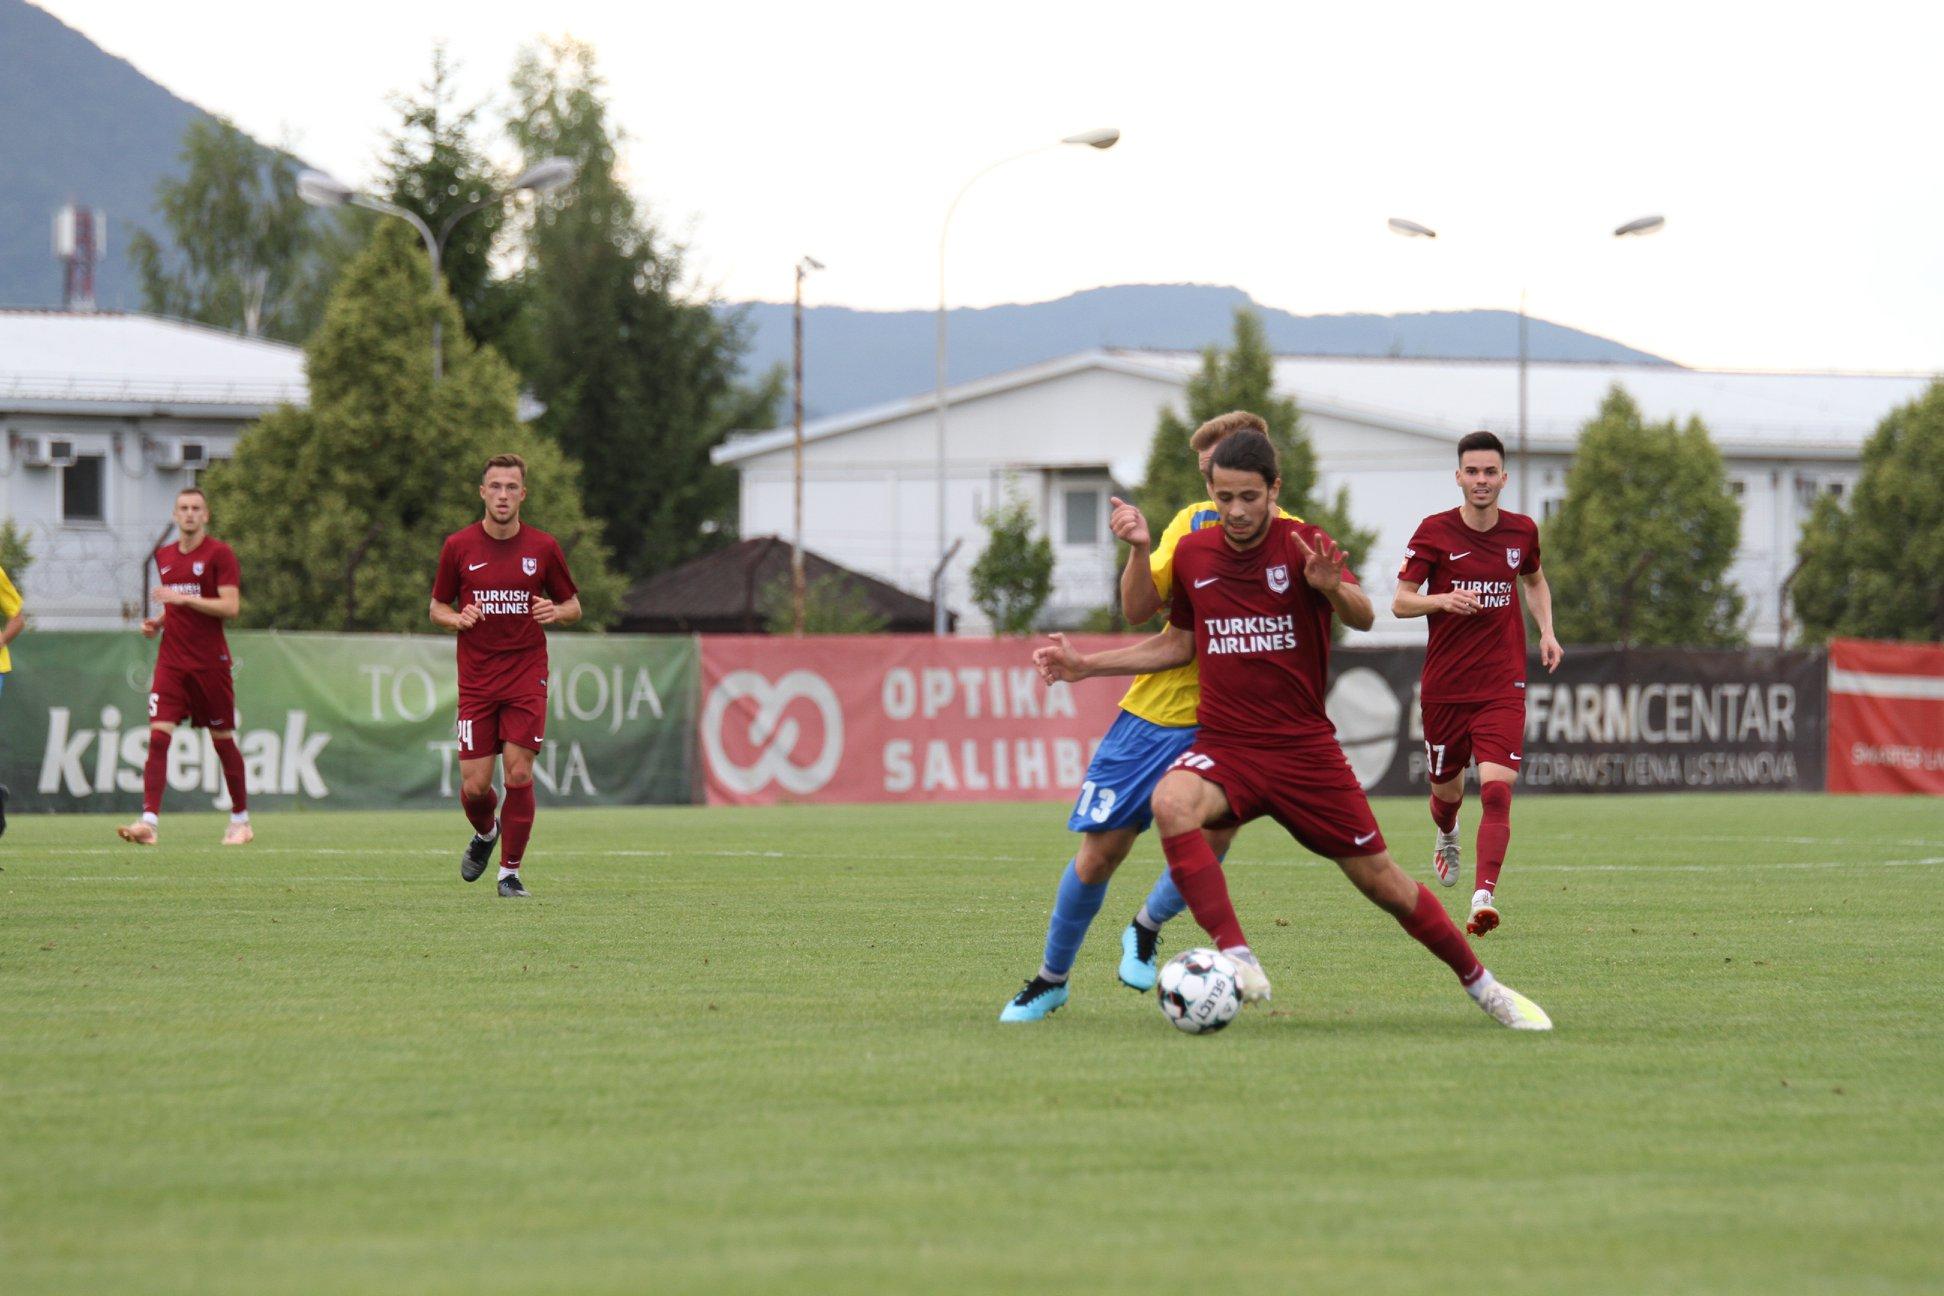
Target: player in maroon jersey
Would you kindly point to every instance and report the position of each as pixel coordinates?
(1252, 605)
(499, 582)
(199, 586)
(1473, 687)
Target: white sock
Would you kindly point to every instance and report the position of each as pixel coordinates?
(149, 818)
(1242, 952)
(1478, 988)
(506, 872)
(240, 817)
(1051, 977)
(1146, 920)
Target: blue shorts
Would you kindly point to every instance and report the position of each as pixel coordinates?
(1120, 782)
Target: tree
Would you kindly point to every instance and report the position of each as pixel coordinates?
(639, 383)
(15, 556)
(1875, 568)
(241, 237)
(1640, 549)
(1243, 378)
(831, 605)
(337, 511)
(435, 168)
(1013, 577)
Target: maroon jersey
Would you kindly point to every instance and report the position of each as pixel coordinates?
(192, 640)
(505, 654)
(1471, 658)
(1262, 635)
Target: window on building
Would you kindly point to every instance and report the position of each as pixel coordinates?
(81, 489)
(1548, 508)
(1083, 511)
(1737, 487)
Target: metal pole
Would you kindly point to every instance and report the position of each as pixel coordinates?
(796, 547)
(1523, 462)
(938, 574)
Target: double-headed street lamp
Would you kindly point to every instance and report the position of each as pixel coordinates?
(1103, 138)
(322, 190)
(1411, 229)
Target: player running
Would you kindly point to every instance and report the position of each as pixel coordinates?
(10, 606)
(199, 587)
(1473, 687)
(499, 582)
(1252, 602)
(1156, 724)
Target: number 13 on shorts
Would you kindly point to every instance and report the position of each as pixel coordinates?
(1095, 802)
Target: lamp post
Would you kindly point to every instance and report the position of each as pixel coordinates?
(1103, 138)
(803, 268)
(1411, 229)
(322, 190)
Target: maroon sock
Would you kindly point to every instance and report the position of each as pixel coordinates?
(1445, 813)
(1198, 876)
(232, 759)
(479, 811)
(1432, 927)
(516, 822)
(155, 773)
(1494, 832)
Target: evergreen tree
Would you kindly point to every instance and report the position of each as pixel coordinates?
(15, 556)
(1874, 568)
(1639, 551)
(337, 511)
(639, 383)
(240, 234)
(1013, 577)
(435, 168)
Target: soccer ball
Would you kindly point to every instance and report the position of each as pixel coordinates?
(1199, 990)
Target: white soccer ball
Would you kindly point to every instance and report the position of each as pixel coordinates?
(1200, 990)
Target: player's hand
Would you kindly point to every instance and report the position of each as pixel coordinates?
(164, 595)
(1462, 602)
(1550, 653)
(469, 616)
(151, 627)
(546, 611)
(1323, 565)
(1127, 524)
(1059, 662)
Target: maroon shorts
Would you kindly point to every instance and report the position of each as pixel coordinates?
(1310, 790)
(486, 723)
(204, 698)
(1455, 732)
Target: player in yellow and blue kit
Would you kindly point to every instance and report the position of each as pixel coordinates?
(11, 624)
(1155, 725)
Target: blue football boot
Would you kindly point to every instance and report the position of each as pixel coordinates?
(1040, 999)
(1137, 969)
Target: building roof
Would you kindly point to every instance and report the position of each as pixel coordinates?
(722, 592)
(115, 362)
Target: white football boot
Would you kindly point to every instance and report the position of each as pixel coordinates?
(1446, 856)
(1250, 978)
(1484, 913)
(1510, 1008)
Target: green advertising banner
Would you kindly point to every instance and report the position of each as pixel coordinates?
(353, 721)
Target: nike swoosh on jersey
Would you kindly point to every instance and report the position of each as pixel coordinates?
(1456, 557)
(1210, 581)
(474, 566)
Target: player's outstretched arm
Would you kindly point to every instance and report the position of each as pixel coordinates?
(1539, 603)
(446, 617)
(226, 606)
(1323, 568)
(1408, 603)
(1062, 662)
(1140, 596)
(548, 612)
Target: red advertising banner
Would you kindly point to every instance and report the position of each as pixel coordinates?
(850, 718)
(1886, 717)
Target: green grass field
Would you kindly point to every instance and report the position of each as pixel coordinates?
(727, 1051)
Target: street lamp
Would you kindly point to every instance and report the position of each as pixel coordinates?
(322, 190)
(803, 268)
(1411, 229)
(1104, 137)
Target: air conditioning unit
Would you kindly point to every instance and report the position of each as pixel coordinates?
(46, 452)
(181, 454)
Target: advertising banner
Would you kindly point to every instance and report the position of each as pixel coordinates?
(1886, 717)
(1609, 720)
(893, 718)
(340, 720)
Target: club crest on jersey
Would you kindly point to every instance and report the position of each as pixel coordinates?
(529, 565)
(196, 567)
(1513, 555)
(1278, 579)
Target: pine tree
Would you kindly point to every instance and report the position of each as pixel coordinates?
(337, 511)
(639, 383)
(1640, 549)
(1874, 568)
(1013, 576)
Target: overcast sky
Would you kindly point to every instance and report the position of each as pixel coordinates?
(1791, 147)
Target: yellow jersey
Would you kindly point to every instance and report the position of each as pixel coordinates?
(1169, 698)
(9, 609)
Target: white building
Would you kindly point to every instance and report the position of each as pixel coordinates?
(103, 418)
(1067, 433)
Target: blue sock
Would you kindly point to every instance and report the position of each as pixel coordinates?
(1166, 900)
(1074, 907)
